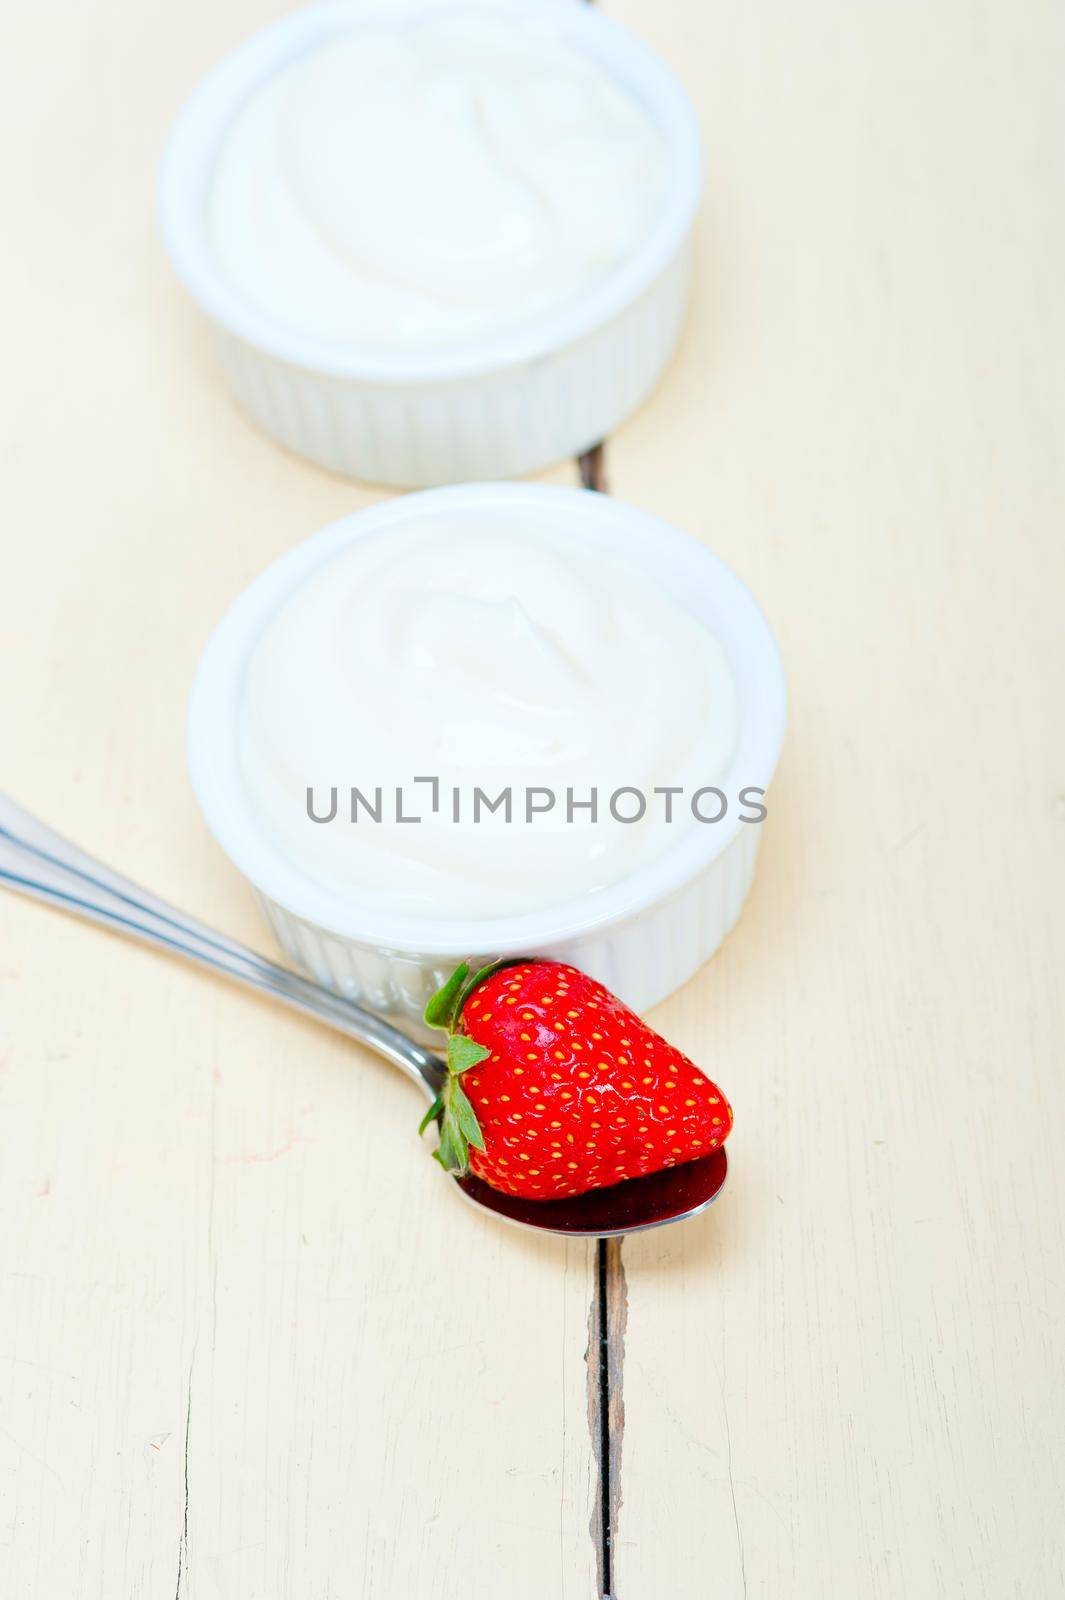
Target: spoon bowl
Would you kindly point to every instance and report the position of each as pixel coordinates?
(672, 1195)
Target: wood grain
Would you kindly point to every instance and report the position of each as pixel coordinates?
(244, 1351)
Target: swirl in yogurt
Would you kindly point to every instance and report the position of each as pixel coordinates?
(433, 178)
(486, 652)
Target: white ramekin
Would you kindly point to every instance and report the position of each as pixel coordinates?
(643, 937)
(498, 407)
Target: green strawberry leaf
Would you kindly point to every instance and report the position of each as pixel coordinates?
(452, 1151)
(465, 1116)
(431, 1115)
(441, 1010)
(464, 1053)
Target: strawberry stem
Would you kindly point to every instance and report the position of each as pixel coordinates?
(451, 1110)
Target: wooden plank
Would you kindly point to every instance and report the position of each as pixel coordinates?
(847, 1379)
(249, 1346)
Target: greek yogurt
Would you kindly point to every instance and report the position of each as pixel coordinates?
(477, 651)
(433, 176)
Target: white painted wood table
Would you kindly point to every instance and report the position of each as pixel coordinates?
(249, 1348)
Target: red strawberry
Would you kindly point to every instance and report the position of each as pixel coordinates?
(555, 1087)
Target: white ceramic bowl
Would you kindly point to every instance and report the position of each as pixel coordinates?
(497, 407)
(642, 937)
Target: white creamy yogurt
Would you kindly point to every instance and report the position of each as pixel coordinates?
(485, 651)
(433, 177)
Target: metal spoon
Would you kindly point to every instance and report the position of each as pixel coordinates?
(37, 862)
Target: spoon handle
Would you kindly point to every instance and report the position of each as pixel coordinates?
(37, 862)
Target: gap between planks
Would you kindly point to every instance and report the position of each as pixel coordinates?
(608, 1310)
(606, 1405)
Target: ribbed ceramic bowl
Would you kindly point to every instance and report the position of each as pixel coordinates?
(642, 937)
(503, 405)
